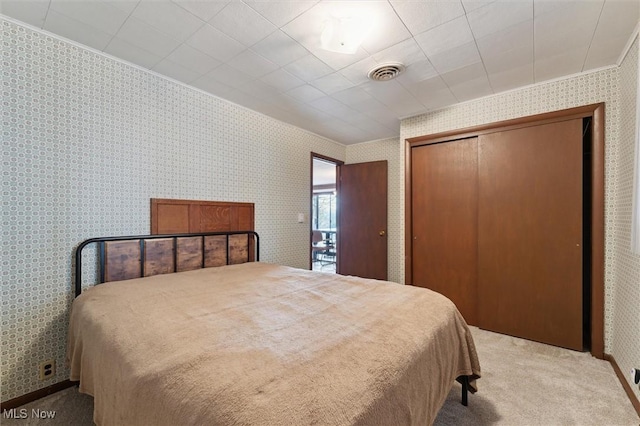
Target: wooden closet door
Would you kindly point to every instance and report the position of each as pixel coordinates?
(444, 211)
(530, 233)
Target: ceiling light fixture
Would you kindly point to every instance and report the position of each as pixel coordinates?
(344, 35)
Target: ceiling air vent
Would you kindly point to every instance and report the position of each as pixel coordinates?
(386, 71)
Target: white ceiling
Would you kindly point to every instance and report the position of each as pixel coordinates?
(324, 172)
(265, 55)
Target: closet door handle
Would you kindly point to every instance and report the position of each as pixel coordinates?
(382, 233)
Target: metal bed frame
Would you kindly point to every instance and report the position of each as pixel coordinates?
(463, 380)
(101, 250)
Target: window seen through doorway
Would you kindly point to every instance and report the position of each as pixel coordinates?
(324, 211)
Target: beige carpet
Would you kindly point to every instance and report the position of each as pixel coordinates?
(523, 383)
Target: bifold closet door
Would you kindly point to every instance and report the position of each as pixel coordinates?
(530, 233)
(444, 221)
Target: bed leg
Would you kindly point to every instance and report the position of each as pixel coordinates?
(465, 390)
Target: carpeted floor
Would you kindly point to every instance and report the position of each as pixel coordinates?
(523, 383)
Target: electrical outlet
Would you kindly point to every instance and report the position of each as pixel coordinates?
(47, 369)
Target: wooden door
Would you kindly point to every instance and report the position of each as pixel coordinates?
(530, 233)
(362, 220)
(444, 211)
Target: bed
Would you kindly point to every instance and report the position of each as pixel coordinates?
(171, 336)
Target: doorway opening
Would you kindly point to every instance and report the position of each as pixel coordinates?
(323, 254)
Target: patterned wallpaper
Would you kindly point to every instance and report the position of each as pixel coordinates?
(86, 141)
(386, 149)
(625, 335)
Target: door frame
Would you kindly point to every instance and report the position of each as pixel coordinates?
(596, 112)
(315, 155)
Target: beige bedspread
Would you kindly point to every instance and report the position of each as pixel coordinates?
(261, 344)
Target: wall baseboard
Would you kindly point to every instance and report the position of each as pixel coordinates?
(35, 395)
(625, 384)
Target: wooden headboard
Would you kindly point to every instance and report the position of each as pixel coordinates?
(125, 258)
(188, 216)
(185, 235)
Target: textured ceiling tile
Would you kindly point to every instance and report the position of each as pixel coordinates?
(94, 13)
(472, 89)
(432, 93)
(259, 89)
(507, 60)
(504, 34)
(193, 59)
(568, 17)
(331, 106)
(238, 97)
(519, 36)
(559, 65)
(416, 72)
(168, 18)
(242, 23)
(252, 64)
(128, 52)
(32, 12)
(204, 9)
(618, 18)
(127, 6)
(455, 58)
(379, 112)
(357, 73)
(499, 15)
(405, 107)
(306, 93)
(308, 68)
(388, 92)
(420, 16)
(332, 83)
(176, 71)
(280, 48)
(211, 85)
(470, 5)
(352, 96)
(281, 12)
(215, 43)
(512, 78)
(470, 72)
(76, 30)
(406, 52)
(229, 76)
(577, 39)
(146, 37)
(281, 80)
(445, 37)
(604, 53)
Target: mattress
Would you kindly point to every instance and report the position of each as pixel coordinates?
(263, 344)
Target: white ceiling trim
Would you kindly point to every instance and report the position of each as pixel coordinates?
(154, 73)
(627, 46)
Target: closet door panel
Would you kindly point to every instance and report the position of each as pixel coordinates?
(444, 212)
(530, 233)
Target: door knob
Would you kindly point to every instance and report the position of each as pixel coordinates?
(381, 233)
